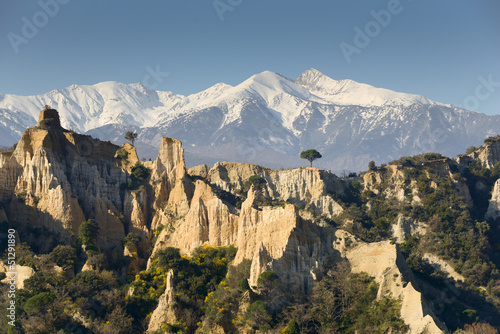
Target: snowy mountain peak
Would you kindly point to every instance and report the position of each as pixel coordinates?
(269, 84)
(310, 77)
(266, 119)
(349, 92)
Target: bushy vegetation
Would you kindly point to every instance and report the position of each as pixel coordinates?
(346, 303)
(138, 176)
(256, 180)
(417, 160)
(121, 154)
(367, 215)
(491, 140)
(195, 277)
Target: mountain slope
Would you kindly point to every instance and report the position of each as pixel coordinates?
(267, 119)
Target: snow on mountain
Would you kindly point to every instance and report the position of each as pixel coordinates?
(348, 92)
(267, 119)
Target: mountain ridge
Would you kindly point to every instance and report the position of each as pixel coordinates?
(350, 123)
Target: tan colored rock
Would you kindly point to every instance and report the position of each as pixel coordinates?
(406, 226)
(170, 160)
(59, 179)
(135, 209)
(494, 205)
(308, 187)
(164, 312)
(276, 238)
(488, 155)
(444, 266)
(135, 263)
(126, 163)
(208, 220)
(384, 262)
(200, 171)
(463, 190)
(49, 117)
(16, 276)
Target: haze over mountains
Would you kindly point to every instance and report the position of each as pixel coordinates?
(268, 119)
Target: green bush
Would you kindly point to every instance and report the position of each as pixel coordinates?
(258, 181)
(195, 277)
(139, 175)
(130, 239)
(63, 256)
(121, 154)
(87, 232)
(292, 328)
(39, 303)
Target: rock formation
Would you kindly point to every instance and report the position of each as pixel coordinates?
(55, 179)
(489, 154)
(22, 273)
(164, 312)
(383, 261)
(308, 187)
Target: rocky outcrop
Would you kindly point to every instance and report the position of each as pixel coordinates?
(172, 189)
(55, 179)
(276, 238)
(164, 312)
(17, 276)
(406, 226)
(307, 187)
(488, 155)
(391, 179)
(441, 265)
(386, 264)
(494, 205)
(49, 118)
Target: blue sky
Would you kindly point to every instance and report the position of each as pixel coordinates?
(448, 51)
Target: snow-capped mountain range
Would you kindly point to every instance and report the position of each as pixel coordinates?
(268, 119)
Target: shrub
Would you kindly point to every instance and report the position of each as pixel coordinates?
(256, 180)
(371, 166)
(39, 303)
(292, 328)
(139, 176)
(63, 256)
(257, 316)
(87, 232)
(480, 328)
(121, 154)
(130, 239)
(87, 283)
(470, 149)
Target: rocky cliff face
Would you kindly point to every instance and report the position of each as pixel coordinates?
(489, 154)
(307, 187)
(385, 262)
(493, 212)
(55, 179)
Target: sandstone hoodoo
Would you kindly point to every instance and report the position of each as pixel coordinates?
(242, 248)
(49, 117)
